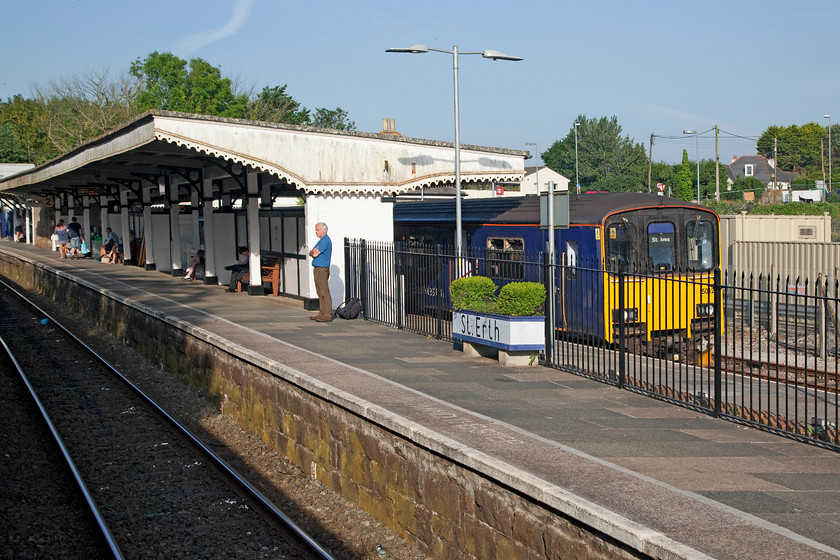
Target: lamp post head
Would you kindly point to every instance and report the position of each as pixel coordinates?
(689, 132)
(496, 55)
(414, 49)
(826, 116)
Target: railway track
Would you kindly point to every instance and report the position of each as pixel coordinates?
(152, 488)
(805, 377)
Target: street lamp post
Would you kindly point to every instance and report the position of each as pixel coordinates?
(697, 137)
(577, 173)
(829, 151)
(493, 55)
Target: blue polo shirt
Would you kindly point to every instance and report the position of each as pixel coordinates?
(325, 246)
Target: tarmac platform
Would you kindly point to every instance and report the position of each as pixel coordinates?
(621, 462)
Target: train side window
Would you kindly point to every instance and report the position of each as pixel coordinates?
(570, 258)
(506, 257)
(661, 246)
(620, 247)
(700, 242)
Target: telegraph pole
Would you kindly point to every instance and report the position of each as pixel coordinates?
(717, 167)
(650, 161)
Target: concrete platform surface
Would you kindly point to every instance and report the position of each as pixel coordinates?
(626, 464)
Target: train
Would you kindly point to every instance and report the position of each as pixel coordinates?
(656, 255)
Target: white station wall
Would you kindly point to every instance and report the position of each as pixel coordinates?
(355, 217)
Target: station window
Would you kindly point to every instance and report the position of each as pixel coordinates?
(506, 257)
(620, 247)
(661, 246)
(700, 243)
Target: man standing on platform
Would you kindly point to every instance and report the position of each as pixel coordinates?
(321, 254)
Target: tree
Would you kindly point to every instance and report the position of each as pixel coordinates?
(683, 187)
(169, 83)
(606, 160)
(798, 146)
(27, 125)
(336, 119)
(83, 106)
(748, 184)
(275, 105)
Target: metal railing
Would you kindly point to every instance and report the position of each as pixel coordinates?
(653, 332)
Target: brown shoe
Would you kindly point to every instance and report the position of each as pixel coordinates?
(323, 319)
(314, 317)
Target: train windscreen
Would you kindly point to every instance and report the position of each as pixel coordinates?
(661, 245)
(700, 235)
(620, 250)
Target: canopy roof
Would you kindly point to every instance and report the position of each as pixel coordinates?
(293, 160)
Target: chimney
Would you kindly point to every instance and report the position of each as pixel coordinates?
(388, 127)
(733, 159)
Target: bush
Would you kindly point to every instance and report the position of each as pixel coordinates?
(473, 293)
(521, 299)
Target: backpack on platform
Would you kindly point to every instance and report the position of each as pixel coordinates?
(350, 309)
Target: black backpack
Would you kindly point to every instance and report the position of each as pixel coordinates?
(350, 309)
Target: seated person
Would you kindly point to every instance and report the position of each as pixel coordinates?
(19, 233)
(196, 266)
(108, 251)
(239, 269)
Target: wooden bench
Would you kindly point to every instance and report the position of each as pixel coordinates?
(269, 272)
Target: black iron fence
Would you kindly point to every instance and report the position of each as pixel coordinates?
(753, 349)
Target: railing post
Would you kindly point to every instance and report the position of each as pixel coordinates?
(622, 353)
(348, 268)
(718, 294)
(548, 282)
(400, 283)
(440, 299)
(363, 278)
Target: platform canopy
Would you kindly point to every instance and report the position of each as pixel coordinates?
(291, 160)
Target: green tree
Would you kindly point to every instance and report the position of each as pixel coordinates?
(27, 124)
(169, 83)
(275, 105)
(683, 189)
(748, 184)
(798, 147)
(606, 160)
(83, 106)
(335, 118)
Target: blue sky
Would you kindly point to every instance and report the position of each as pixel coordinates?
(659, 66)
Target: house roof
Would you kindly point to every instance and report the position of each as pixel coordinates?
(762, 170)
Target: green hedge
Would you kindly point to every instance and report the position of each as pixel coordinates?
(521, 299)
(473, 293)
(478, 293)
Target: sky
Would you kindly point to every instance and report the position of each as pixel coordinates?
(659, 67)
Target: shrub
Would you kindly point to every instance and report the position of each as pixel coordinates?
(473, 293)
(521, 299)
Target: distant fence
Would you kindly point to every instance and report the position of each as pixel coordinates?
(773, 362)
(789, 260)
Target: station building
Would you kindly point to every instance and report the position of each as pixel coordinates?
(171, 183)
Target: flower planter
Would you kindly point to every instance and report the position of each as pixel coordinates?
(516, 338)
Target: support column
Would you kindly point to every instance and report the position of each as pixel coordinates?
(86, 228)
(103, 214)
(127, 256)
(210, 276)
(195, 214)
(147, 224)
(29, 213)
(253, 212)
(174, 228)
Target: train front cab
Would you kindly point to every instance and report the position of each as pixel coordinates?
(668, 257)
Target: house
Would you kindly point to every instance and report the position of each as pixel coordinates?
(760, 167)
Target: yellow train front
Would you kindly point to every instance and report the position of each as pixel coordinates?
(656, 254)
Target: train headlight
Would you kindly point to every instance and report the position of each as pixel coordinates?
(630, 315)
(705, 310)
